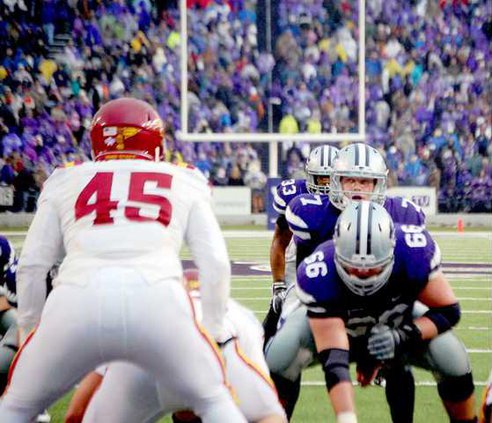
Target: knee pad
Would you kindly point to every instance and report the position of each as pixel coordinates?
(456, 389)
(8, 318)
(8, 349)
(282, 351)
(447, 356)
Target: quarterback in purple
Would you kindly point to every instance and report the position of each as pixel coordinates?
(359, 173)
(359, 290)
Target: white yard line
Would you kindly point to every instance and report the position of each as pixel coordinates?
(456, 288)
(421, 383)
(462, 312)
(473, 299)
(477, 328)
(246, 288)
(478, 234)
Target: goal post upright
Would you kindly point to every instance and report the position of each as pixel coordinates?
(362, 69)
(272, 138)
(183, 60)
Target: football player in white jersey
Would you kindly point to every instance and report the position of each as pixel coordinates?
(119, 223)
(129, 394)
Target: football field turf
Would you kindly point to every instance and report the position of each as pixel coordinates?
(467, 262)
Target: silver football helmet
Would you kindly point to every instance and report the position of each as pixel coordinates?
(319, 163)
(358, 161)
(364, 239)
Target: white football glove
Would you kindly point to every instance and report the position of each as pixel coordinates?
(279, 292)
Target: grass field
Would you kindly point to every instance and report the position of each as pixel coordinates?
(467, 261)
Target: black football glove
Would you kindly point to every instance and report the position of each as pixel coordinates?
(385, 343)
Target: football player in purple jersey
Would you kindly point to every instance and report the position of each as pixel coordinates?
(360, 289)
(282, 250)
(359, 173)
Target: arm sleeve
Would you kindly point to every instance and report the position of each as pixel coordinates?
(42, 248)
(209, 251)
(282, 222)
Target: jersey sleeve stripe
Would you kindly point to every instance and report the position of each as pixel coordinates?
(278, 209)
(300, 234)
(304, 297)
(297, 225)
(278, 202)
(435, 264)
(294, 219)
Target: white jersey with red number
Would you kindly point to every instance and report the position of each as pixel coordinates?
(126, 213)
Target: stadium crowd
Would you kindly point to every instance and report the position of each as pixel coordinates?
(428, 93)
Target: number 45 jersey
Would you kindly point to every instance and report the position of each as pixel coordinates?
(127, 213)
(417, 258)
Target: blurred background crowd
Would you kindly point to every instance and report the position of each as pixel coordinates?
(428, 85)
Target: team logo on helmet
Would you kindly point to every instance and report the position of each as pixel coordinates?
(127, 128)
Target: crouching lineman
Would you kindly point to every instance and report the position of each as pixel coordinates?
(359, 173)
(129, 394)
(283, 249)
(119, 223)
(359, 290)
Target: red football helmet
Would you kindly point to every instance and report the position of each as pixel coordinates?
(127, 128)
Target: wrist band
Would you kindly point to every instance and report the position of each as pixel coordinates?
(346, 417)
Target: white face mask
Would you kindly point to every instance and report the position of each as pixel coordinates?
(367, 286)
